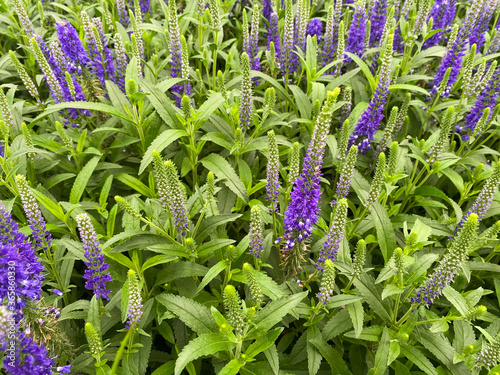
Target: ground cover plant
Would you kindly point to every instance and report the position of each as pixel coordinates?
(236, 187)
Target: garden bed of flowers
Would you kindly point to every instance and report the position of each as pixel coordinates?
(235, 187)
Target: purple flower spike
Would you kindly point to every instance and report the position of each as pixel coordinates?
(357, 31)
(315, 27)
(95, 273)
(378, 22)
(273, 36)
(370, 119)
(71, 45)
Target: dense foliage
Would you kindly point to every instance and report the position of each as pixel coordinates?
(230, 187)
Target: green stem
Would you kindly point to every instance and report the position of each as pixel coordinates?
(121, 350)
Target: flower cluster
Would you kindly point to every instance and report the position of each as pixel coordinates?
(346, 173)
(327, 282)
(95, 274)
(335, 236)
(301, 214)
(36, 221)
(378, 18)
(273, 166)
(450, 265)
(357, 31)
(134, 311)
(371, 117)
(256, 233)
(489, 356)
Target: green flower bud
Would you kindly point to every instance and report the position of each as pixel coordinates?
(255, 290)
(28, 139)
(125, 206)
(230, 253)
(294, 163)
(344, 141)
(64, 137)
(186, 107)
(234, 308)
(94, 341)
(327, 282)
(393, 159)
(315, 109)
(359, 257)
(378, 179)
(475, 313)
(221, 85)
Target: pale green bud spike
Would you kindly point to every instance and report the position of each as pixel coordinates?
(28, 82)
(215, 14)
(344, 141)
(137, 10)
(132, 87)
(468, 83)
(28, 139)
(269, 99)
(97, 38)
(125, 206)
(393, 159)
(160, 177)
(207, 17)
(388, 131)
(272, 52)
(444, 132)
(399, 260)
(487, 77)
(210, 186)
(41, 12)
(402, 113)
(315, 109)
(221, 84)
(481, 123)
(234, 309)
(238, 137)
(137, 54)
(94, 341)
(378, 179)
(47, 70)
(411, 240)
(69, 82)
(186, 107)
(294, 163)
(64, 137)
(478, 78)
(475, 313)
(477, 171)
(230, 253)
(185, 58)
(453, 36)
(367, 34)
(255, 289)
(359, 258)
(5, 130)
(327, 285)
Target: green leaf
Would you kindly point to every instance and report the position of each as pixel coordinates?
(456, 300)
(233, 367)
(211, 274)
(162, 103)
(269, 287)
(208, 107)
(206, 344)
(372, 294)
(394, 351)
(209, 224)
(276, 310)
(160, 143)
(271, 354)
(179, 270)
(418, 358)
(54, 208)
(165, 369)
(135, 184)
(356, 312)
(382, 354)
(402, 86)
(390, 290)
(342, 300)
(81, 105)
(419, 267)
(263, 342)
(82, 179)
(313, 355)
(156, 260)
(332, 357)
(385, 233)
(301, 101)
(366, 70)
(222, 169)
(337, 324)
(193, 314)
(441, 348)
